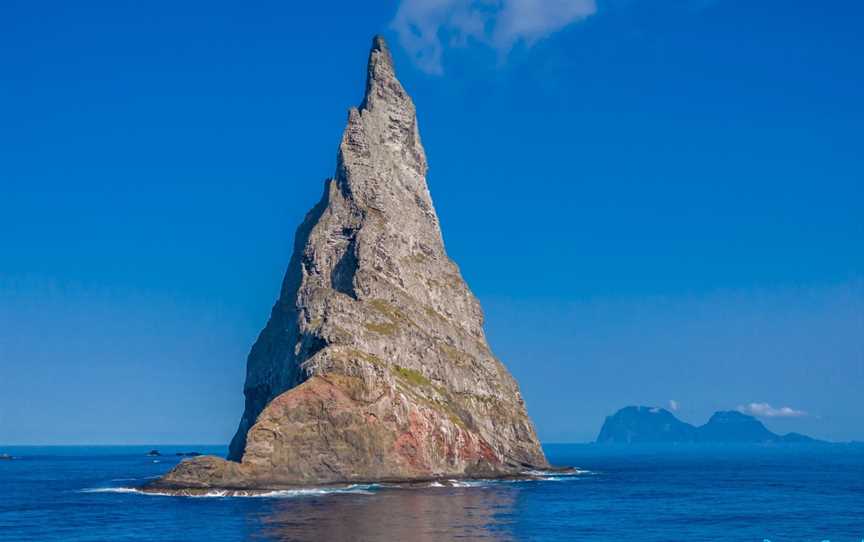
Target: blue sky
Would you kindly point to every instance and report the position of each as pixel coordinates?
(654, 200)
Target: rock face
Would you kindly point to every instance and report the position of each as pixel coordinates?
(374, 364)
(643, 425)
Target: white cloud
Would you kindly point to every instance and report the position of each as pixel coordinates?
(673, 405)
(764, 410)
(424, 27)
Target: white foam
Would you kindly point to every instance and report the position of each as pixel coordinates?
(530, 476)
(469, 483)
(110, 490)
(543, 474)
(355, 489)
(458, 483)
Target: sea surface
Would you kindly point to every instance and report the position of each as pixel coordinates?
(801, 493)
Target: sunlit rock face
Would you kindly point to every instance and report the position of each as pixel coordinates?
(374, 364)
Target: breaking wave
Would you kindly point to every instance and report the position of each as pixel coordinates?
(529, 476)
(110, 490)
(358, 489)
(355, 489)
(461, 483)
(557, 475)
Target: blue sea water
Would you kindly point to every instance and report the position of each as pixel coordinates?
(800, 493)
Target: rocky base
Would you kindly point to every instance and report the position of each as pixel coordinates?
(261, 487)
(339, 429)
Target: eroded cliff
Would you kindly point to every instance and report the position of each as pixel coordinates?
(374, 364)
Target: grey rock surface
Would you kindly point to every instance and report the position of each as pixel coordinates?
(374, 364)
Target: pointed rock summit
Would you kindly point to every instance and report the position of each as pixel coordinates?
(374, 364)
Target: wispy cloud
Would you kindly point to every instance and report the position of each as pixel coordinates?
(425, 27)
(673, 405)
(764, 410)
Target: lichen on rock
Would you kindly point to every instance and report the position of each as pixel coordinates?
(374, 364)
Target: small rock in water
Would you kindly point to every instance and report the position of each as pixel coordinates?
(153, 453)
(6, 457)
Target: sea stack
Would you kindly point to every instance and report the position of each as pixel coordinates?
(374, 365)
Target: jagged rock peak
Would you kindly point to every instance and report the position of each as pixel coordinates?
(373, 364)
(382, 86)
(381, 154)
(380, 66)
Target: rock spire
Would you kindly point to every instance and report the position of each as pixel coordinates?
(374, 364)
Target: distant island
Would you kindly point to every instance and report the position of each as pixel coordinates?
(650, 425)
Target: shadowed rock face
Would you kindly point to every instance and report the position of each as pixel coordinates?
(374, 364)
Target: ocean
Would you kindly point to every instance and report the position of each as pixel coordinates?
(691, 493)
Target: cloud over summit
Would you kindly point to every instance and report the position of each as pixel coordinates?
(764, 410)
(426, 27)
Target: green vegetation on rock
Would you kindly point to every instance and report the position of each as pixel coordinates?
(381, 329)
(410, 376)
